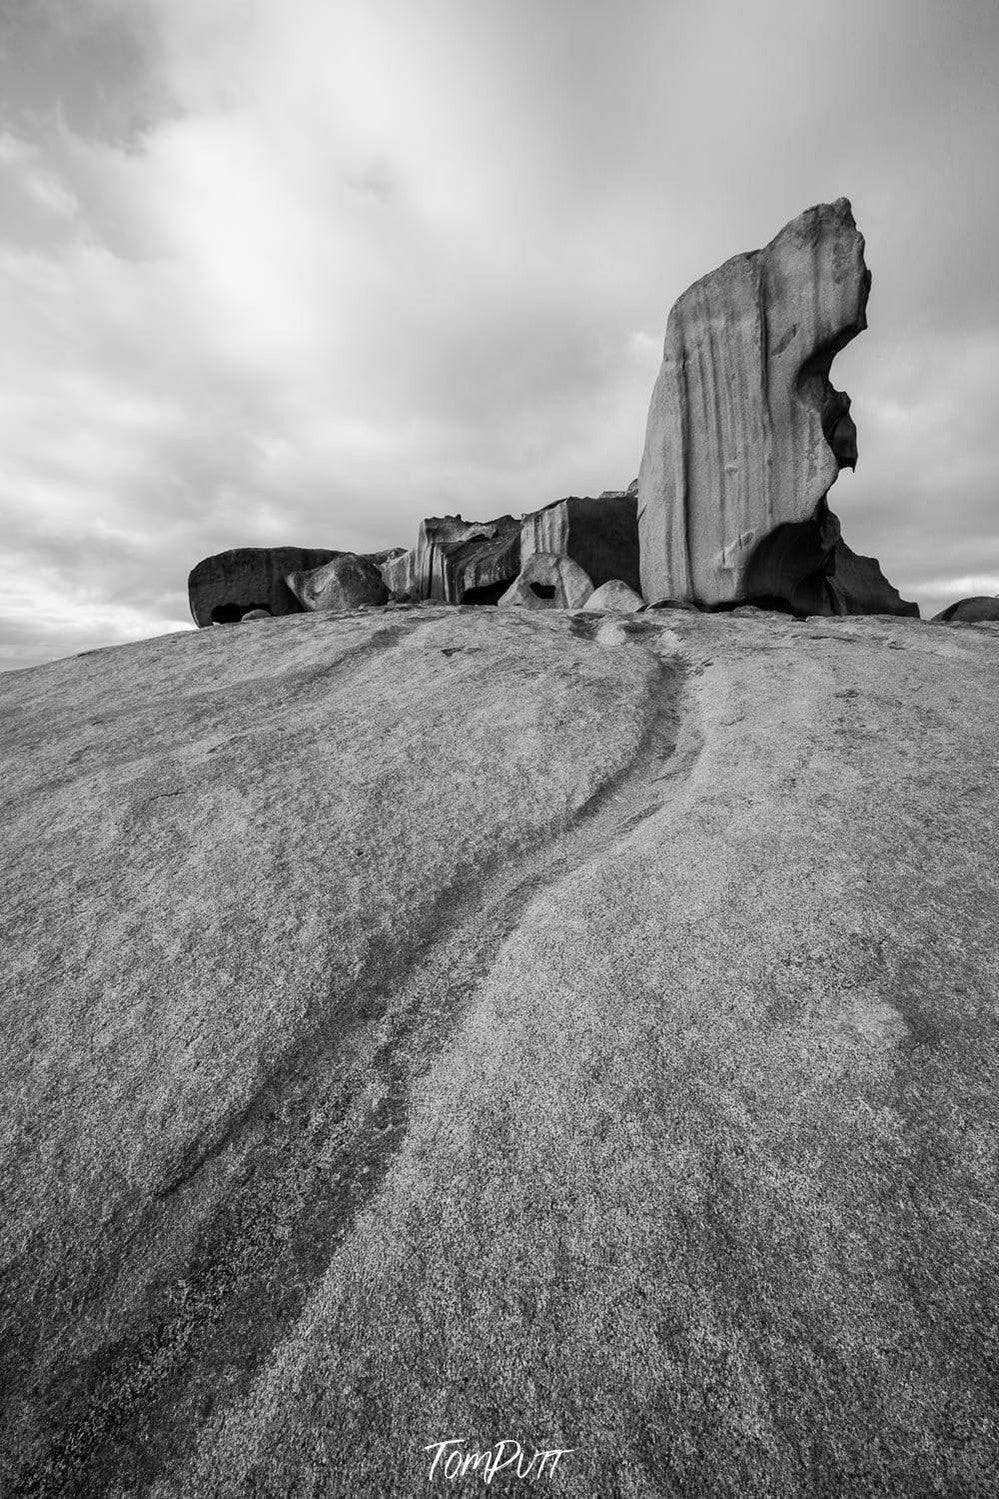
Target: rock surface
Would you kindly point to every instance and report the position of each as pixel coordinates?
(746, 434)
(614, 595)
(547, 581)
(347, 582)
(601, 535)
(222, 588)
(455, 557)
(980, 610)
(631, 1088)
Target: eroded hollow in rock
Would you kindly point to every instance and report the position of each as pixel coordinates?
(542, 590)
(231, 614)
(491, 593)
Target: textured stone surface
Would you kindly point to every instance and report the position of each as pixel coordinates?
(222, 588)
(746, 433)
(399, 574)
(547, 581)
(782, 573)
(444, 1024)
(980, 610)
(455, 556)
(614, 595)
(478, 570)
(347, 582)
(601, 535)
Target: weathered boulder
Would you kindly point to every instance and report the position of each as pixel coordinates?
(399, 574)
(746, 434)
(459, 561)
(548, 581)
(346, 582)
(252, 614)
(979, 610)
(614, 595)
(601, 535)
(222, 588)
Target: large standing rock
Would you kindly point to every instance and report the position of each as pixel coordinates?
(601, 535)
(221, 589)
(979, 610)
(547, 581)
(746, 434)
(346, 582)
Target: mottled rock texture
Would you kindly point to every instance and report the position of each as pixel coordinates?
(222, 588)
(460, 1024)
(614, 595)
(548, 581)
(347, 582)
(746, 433)
(601, 535)
(980, 610)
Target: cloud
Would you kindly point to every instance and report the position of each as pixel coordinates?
(292, 272)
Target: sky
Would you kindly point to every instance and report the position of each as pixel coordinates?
(301, 272)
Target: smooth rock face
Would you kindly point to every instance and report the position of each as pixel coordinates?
(547, 581)
(746, 433)
(980, 610)
(221, 589)
(601, 535)
(631, 1087)
(348, 582)
(614, 595)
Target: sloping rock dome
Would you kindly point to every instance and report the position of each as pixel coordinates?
(501, 1024)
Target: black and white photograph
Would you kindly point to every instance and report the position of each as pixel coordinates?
(499, 749)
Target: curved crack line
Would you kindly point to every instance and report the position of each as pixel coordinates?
(301, 1186)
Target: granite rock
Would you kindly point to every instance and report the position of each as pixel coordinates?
(746, 433)
(615, 595)
(548, 581)
(455, 557)
(981, 609)
(223, 588)
(347, 582)
(601, 535)
(468, 1023)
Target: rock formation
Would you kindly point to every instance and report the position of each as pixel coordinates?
(979, 610)
(548, 581)
(439, 1025)
(347, 582)
(458, 561)
(221, 589)
(614, 595)
(746, 434)
(601, 535)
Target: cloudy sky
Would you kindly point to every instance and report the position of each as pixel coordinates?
(304, 271)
